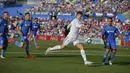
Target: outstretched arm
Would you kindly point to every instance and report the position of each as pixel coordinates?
(84, 27)
(18, 27)
(103, 35)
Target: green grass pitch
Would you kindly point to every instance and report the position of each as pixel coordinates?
(67, 60)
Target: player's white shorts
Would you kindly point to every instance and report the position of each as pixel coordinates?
(69, 40)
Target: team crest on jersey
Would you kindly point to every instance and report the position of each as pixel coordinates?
(35, 26)
(27, 25)
(126, 33)
(110, 31)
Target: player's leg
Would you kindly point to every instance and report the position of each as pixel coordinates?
(19, 44)
(11, 38)
(1, 42)
(34, 38)
(57, 47)
(5, 45)
(3, 52)
(126, 44)
(27, 49)
(113, 52)
(82, 52)
(107, 50)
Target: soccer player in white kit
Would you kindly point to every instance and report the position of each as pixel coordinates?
(72, 37)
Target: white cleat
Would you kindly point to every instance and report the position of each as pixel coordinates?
(2, 57)
(110, 63)
(88, 63)
(48, 50)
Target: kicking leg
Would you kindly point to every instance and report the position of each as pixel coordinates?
(19, 44)
(57, 47)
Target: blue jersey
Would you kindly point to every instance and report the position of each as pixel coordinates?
(35, 27)
(126, 35)
(25, 25)
(109, 33)
(3, 26)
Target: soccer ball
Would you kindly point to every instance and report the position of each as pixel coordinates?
(88, 40)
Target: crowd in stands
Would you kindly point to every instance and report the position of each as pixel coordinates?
(105, 6)
(55, 26)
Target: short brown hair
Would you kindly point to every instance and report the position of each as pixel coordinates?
(5, 12)
(79, 12)
(27, 13)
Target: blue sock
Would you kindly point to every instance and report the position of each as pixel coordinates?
(16, 43)
(104, 57)
(111, 56)
(27, 49)
(35, 43)
(125, 45)
(2, 52)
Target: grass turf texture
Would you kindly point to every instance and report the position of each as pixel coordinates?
(62, 61)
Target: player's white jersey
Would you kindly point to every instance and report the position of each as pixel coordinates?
(72, 37)
(75, 26)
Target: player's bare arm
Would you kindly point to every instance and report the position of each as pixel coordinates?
(120, 36)
(19, 31)
(84, 27)
(0, 33)
(103, 38)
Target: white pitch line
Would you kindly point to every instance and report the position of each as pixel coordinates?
(65, 53)
(71, 51)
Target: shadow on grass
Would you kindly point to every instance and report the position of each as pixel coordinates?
(116, 63)
(46, 56)
(122, 63)
(55, 56)
(81, 63)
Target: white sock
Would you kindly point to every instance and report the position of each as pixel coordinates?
(83, 54)
(55, 48)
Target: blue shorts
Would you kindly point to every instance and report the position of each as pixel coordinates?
(111, 45)
(1, 41)
(126, 40)
(34, 34)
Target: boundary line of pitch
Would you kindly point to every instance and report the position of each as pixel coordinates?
(67, 52)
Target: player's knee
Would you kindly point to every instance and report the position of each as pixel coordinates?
(114, 51)
(107, 50)
(79, 46)
(1, 47)
(21, 45)
(62, 46)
